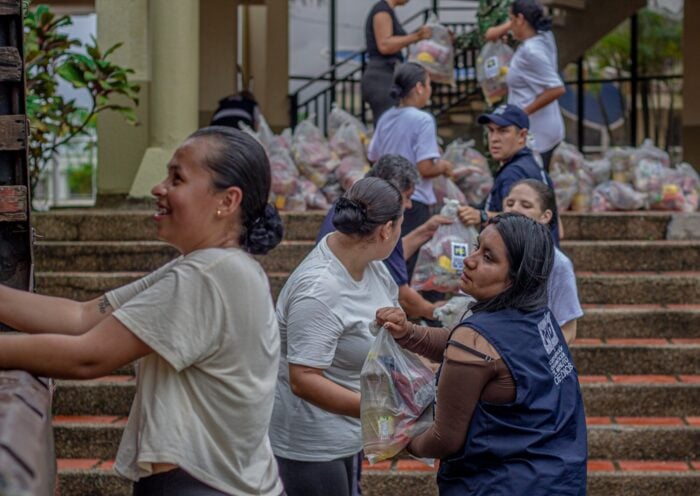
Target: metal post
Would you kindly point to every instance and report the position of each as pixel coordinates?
(634, 68)
(435, 6)
(293, 110)
(333, 44)
(580, 103)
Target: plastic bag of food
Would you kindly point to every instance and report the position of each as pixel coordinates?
(313, 197)
(616, 195)
(566, 158)
(436, 53)
(445, 189)
(690, 184)
(648, 151)
(294, 202)
(599, 170)
(397, 392)
(666, 188)
(440, 260)
(492, 68)
(338, 117)
(332, 190)
(622, 162)
(583, 197)
(312, 154)
(350, 170)
(347, 141)
(565, 188)
(470, 171)
(454, 311)
(284, 173)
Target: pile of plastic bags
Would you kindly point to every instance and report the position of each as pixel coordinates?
(397, 392)
(625, 178)
(440, 260)
(470, 172)
(492, 68)
(436, 54)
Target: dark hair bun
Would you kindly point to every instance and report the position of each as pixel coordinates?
(264, 233)
(350, 217)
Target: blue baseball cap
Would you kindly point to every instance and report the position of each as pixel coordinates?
(506, 115)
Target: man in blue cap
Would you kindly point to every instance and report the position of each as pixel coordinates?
(507, 134)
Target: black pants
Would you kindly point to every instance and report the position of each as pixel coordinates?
(547, 157)
(173, 483)
(336, 477)
(413, 217)
(376, 86)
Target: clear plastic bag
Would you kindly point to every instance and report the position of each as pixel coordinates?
(313, 197)
(347, 141)
(648, 151)
(312, 154)
(338, 117)
(454, 311)
(283, 171)
(397, 393)
(581, 201)
(600, 170)
(565, 188)
(622, 161)
(616, 195)
(470, 171)
(566, 158)
(492, 68)
(445, 189)
(351, 170)
(440, 260)
(690, 184)
(436, 54)
(294, 202)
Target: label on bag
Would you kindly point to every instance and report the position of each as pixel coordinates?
(386, 427)
(460, 251)
(491, 68)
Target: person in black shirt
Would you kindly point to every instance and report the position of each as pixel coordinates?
(385, 38)
(237, 108)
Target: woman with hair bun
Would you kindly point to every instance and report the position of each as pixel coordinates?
(509, 416)
(408, 131)
(324, 312)
(533, 77)
(202, 326)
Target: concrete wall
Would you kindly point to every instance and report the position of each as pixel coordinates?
(691, 84)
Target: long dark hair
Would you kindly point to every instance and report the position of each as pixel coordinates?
(530, 252)
(545, 194)
(237, 159)
(406, 77)
(533, 12)
(368, 204)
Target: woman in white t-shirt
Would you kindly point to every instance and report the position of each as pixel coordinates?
(203, 327)
(324, 312)
(408, 131)
(533, 78)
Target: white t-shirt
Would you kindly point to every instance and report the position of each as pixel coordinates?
(204, 398)
(561, 290)
(411, 133)
(324, 317)
(533, 69)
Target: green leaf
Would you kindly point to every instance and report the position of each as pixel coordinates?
(72, 74)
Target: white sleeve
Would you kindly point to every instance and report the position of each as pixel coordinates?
(313, 331)
(117, 297)
(537, 69)
(563, 295)
(180, 316)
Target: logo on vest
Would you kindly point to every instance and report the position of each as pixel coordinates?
(549, 337)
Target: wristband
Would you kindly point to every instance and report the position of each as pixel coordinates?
(484, 217)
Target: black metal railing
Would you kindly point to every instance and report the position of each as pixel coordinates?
(341, 84)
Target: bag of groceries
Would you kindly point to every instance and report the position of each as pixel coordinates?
(470, 171)
(436, 53)
(492, 68)
(397, 392)
(440, 260)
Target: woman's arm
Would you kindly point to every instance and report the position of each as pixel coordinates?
(426, 341)
(387, 43)
(495, 33)
(97, 352)
(545, 98)
(414, 304)
(34, 313)
(311, 385)
(430, 168)
(420, 235)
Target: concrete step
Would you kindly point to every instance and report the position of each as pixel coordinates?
(102, 256)
(666, 438)
(651, 256)
(120, 225)
(604, 395)
(82, 286)
(640, 321)
(89, 477)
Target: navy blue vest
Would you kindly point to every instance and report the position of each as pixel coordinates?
(537, 444)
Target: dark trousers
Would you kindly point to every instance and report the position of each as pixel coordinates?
(547, 157)
(376, 86)
(337, 477)
(413, 217)
(173, 483)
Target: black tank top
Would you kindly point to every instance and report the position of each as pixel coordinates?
(371, 42)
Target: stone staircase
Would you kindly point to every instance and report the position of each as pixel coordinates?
(637, 350)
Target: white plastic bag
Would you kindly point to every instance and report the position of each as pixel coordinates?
(397, 392)
(436, 53)
(492, 68)
(454, 311)
(440, 260)
(616, 195)
(312, 154)
(470, 170)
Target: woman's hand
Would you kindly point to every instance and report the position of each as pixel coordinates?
(469, 216)
(424, 33)
(393, 319)
(495, 33)
(445, 167)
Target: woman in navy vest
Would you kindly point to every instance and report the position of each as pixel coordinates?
(509, 416)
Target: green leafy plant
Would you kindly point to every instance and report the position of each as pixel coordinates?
(51, 56)
(80, 179)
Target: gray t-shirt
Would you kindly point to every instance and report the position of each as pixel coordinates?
(204, 398)
(562, 295)
(323, 316)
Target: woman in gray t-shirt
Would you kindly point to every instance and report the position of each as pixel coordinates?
(324, 311)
